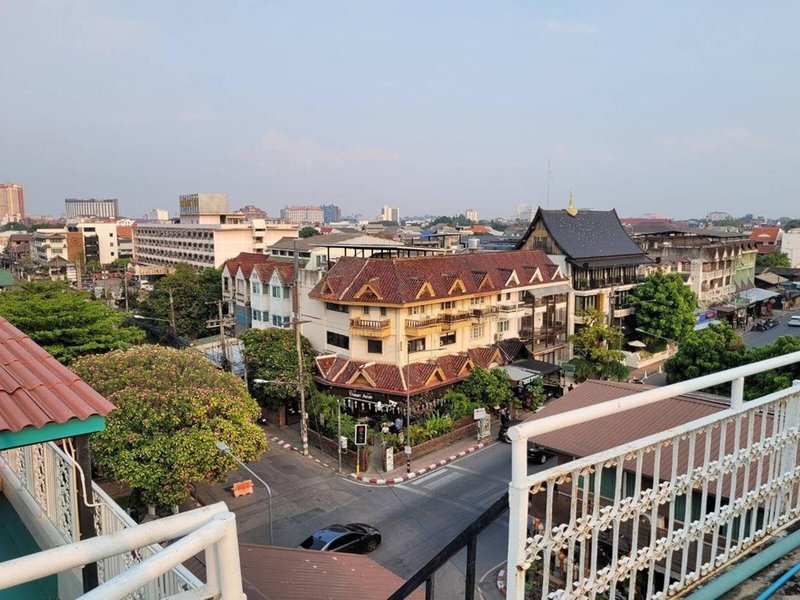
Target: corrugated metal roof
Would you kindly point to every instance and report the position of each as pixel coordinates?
(35, 389)
(272, 573)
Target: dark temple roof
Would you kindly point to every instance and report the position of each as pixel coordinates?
(589, 234)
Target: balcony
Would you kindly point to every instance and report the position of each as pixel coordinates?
(420, 327)
(374, 328)
(583, 285)
(453, 321)
(41, 483)
(484, 311)
(510, 307)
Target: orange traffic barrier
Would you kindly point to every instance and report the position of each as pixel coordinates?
(242, 488)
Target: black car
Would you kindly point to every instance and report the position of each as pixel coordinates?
(355, 538)
(535, 453)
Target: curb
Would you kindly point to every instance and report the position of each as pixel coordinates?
(288, 446)
(501, 581)
(417, 473)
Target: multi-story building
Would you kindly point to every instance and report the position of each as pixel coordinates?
(766, 239)
(471, 214)
(391, 326)
(390, 213)
(331, 213)
(78, 208)
(157, 214)
(56, 251)
(253, 212)
(100, 241)
(12, 202)
(300, 214)
(790, 245)
(206, 236)
(592, 248)
(258, 291)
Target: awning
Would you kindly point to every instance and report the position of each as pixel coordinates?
(619, 261)
(754, 295)
(555, 290)
(525, 371)
(771, 278)
(637, 344)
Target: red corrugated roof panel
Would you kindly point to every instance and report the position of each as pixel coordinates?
(35, 389)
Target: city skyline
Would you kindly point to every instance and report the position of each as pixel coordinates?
(682, 110)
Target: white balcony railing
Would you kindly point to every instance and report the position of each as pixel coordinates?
(655, 517)
(48, 477)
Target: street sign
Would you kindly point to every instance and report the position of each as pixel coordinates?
(408, 450)
(479, 413)
(361, 434)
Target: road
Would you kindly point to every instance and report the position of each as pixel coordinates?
(416, 519)
(762, 338)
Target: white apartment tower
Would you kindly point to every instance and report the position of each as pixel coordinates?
(78, 208)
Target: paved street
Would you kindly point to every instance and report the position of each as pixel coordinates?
(416, 519)
(762, 338)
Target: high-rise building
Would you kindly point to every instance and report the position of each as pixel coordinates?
(12, 202)
(390, 213)
(303, 214)
(471, 214)
(78, 208)
(332, 213)
(157, 214)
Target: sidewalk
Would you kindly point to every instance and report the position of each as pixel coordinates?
(289, 438)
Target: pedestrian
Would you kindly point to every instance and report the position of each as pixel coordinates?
(398, 424)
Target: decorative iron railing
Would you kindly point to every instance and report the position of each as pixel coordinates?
(49, 476)
(654, 517)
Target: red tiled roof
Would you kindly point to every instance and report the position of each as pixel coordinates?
(245, 261)
(404, 280)
(766, 235)
(35, 389)
(390, 378)
(265, 270)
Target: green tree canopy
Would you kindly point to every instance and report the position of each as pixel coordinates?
(714, 348)
(65, 322)
(774, 379)
(307, 232)
(194, 296)
(172, 408)
(773, 259)
(484, 387)
(665, 307)
(596, 346)
(271, 354)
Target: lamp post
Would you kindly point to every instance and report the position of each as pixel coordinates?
(223, 447)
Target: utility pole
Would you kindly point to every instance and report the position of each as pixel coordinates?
(222, 322)
(172, 313)
(125, 286)
(299, 346)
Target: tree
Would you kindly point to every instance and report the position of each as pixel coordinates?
(120, 263)
(791, 224)
(596, 347)
(714, 348)
(773, 259)
(487, 387)
(775, 379)
(172, 406)
(665, 307)
(13, 226)
(307, 232)
(65, 322)
(194, 299)
(271, 354)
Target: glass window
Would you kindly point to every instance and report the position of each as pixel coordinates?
(256, 315)
(375, 346)
(343, 308)
(365, 309)
(285, 293)
(285, 321)
(383, 311)
(502, 326)
(448, 304)
(276, 291)
(256, 287)
(417, 345)
(447, 339)
(338, 340)
(476, 332)
(414, 310)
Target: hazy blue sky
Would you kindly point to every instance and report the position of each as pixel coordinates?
(437, 107)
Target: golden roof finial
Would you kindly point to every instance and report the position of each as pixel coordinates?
(571, 210)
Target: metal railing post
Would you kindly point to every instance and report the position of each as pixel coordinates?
(737, 392)
(517, 516)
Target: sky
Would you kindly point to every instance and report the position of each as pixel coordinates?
(433, 106)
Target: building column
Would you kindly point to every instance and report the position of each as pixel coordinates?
(86, 527)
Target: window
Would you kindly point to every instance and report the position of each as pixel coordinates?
(447, 339)
(415, 310)
(499, 297)
(585, 302)
(375, 346)
(477, 301)
(285, 293)
(343, 308)
(417, 345)
(256, 315)
(256, 287)
(276, 291)
(277, 320)
(365, 310)
(508, 295)
(502, 326)
(476, 332)
(383, 311)
(448, 304)
(338, 340)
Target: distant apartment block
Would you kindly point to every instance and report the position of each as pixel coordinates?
(12, 202)
(302, 214)
(718, 216)
(77, 208)
(525, 212)
(206, 236)
(471, 214)
(390, 213)
(331, 213)
(157, 214)
(253, 212)
(100, 241)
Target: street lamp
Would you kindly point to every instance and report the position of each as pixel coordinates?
(223, 447)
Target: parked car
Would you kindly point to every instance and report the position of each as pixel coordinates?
(537, 454)
(794, 321)
(355, 538)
